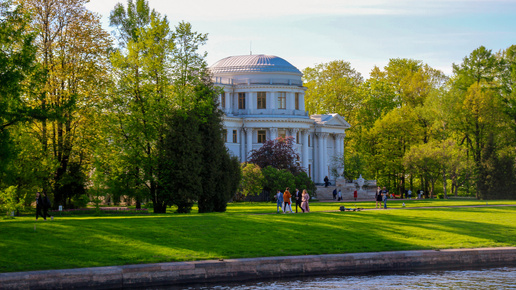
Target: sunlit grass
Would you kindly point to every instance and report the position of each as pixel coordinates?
(245, 231)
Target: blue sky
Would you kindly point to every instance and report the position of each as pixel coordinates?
(365, 33)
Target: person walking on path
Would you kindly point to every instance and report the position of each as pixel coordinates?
(40, 205)
(409, 194)
(385, 195)
(46, 206)
(279, 201)
(378, 197)
(339, 195)
(298, 196)
(334, 194)
(286, 201)
(355, 195)
(304, 203)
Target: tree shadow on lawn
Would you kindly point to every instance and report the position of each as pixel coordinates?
(142, 240)
(467, 233)
(114, 241)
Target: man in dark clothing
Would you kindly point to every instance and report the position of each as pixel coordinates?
(298, 200)
(326, 181)
(334, 193)
(46, 206)
(39, 206)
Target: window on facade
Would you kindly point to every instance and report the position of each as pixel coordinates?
(310, 170)
(297, 137)
(225, 135)
(282, 133)
(261, 100)
(309, 138)
(262, 135)
(223, 100)
(297, 101)
(234, 136)
(241, 101)
(282, 100)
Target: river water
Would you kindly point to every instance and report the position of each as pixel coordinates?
(495, 278)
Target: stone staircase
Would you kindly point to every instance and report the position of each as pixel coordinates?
(325, 193)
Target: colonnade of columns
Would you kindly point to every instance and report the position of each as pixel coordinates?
(321, 160)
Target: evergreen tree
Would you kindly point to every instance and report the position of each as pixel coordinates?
(497, 174)
(217, 189)
(180, 164)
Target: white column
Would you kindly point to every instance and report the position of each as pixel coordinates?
(335, 145)
(325, 154)
(227, 102)
(304, 155)
(273, 133)
(340, 144)
(320, 157)
(249, 99)
(289, 100)
(249, 135)
(293, 133)
(241, 142)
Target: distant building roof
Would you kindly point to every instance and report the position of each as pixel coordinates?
(253, 63)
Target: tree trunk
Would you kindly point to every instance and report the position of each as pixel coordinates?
(444, 184)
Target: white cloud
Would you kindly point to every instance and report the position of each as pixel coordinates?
(236, 9)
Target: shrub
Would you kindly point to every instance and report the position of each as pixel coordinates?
(8, 201)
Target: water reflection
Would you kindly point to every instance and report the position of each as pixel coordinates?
(496, 278)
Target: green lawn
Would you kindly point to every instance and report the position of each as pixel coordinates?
(89, 241)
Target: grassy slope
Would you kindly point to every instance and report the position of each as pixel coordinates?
(71, 242)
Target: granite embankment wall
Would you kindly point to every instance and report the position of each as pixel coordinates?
(180, 273)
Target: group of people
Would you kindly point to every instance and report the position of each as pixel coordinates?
(337, 195)
(283, 201)
(43, 204)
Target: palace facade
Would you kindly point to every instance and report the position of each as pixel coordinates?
(263, 99)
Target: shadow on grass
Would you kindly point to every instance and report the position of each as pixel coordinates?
(85, 242)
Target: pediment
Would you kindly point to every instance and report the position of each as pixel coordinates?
(331, 120)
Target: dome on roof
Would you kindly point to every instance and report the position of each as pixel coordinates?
(253, 63)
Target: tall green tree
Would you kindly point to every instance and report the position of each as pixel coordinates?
(479, 106)
(142, 97)
(507, 73)
(392, 136)
(73, 50)
(217, 189)
(332, 88)
(19, 73)
(497, 173)
(180, 164)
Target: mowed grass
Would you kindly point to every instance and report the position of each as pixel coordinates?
(244, 231)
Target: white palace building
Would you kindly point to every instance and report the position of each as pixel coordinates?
(264, 98)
